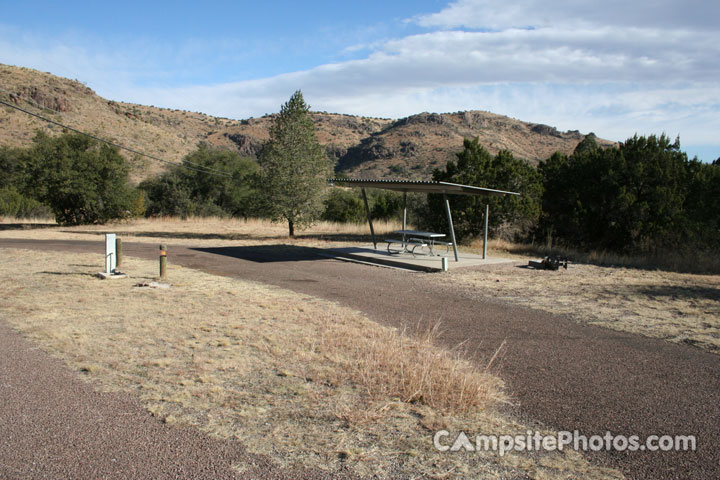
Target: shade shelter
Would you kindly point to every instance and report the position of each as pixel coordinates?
(405, 186)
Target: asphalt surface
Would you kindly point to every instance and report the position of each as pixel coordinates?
(560, 374)
(53, 425)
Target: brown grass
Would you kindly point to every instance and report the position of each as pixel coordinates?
(210, 231)
(26, 222)
(302, 380)
(678, 307)
(673, 261)
(391, 364)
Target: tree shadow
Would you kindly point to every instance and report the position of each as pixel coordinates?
(331, 237)
(25, 226)
(81, 274)
(268, 253)
(169, 235)
(679, 291)
(340, 237)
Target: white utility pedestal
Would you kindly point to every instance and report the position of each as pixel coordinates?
(110, 258)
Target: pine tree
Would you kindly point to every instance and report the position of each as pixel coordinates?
(294, 166)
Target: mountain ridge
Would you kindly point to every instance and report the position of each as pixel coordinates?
(359, 146)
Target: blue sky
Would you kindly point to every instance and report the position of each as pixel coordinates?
(614, 68)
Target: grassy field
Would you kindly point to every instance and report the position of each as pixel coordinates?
(303, 380)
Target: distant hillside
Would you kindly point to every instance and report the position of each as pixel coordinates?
(361, 146)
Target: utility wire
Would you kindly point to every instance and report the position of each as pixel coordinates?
(185, 164)
(29, 100)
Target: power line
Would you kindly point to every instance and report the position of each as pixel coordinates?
(185, 164)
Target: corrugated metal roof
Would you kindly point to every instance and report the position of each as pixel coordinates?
(421, 186)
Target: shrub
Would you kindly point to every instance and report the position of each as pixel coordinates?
(81, 179)
(15, 204)
(343, 206)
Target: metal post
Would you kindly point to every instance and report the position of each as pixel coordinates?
(452, 229)
(404, 211)
(163, 261)
(118, 252)
(367, 210)
(487, 214)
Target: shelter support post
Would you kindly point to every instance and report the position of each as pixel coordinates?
(452, 228)
(367, 210)
(487, 215)
(404, 211)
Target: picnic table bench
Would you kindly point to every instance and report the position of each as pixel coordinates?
(414, 239)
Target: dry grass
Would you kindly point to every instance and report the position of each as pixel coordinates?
(211, 231)
(394, 365)
(678, 307)
(29, 222)
(302, 380)
(673, 261)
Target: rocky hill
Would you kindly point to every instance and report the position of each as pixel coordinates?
(360, 146)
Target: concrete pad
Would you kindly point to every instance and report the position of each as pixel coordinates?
(153, 284)
(111, 276)
(423, 263)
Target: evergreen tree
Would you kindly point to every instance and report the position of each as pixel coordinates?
(628, 198)
(510, 216)
(294, 167)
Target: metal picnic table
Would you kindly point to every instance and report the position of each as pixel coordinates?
(412, 239)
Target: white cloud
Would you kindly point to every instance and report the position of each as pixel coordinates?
(491, 14)
(615, 68)
(615, 81)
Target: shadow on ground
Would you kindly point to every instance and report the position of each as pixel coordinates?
(170, 235)
(268, 253)
(25, 226)
(81, 274)
(331, 237)
(680, 291)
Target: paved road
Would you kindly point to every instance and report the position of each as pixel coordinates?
(55, 426)
(562, 374)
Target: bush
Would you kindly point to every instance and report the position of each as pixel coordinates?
(344, 206)
(188, 192)
(15, 204)
(386, 205)
(643, 196)
(81, 179)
